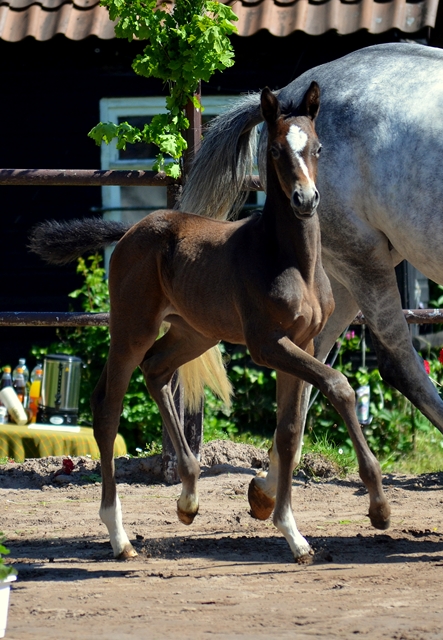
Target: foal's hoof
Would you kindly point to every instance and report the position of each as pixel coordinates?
(261, 505)
(306, 558)
(127, 553)
(380, 516)
(183, 516)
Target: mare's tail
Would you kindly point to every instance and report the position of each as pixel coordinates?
(226, 157)
(63, 242)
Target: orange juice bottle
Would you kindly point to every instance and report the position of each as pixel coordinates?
(35, 393)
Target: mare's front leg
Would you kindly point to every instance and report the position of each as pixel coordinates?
(398, 362)
(178, 346)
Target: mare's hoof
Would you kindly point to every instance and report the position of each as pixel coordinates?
(186, 518)
(127, 553)
(380, 517)
(261, 505)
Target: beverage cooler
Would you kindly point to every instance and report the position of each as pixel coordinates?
(60, 390)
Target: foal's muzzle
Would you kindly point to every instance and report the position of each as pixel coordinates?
(304, 202)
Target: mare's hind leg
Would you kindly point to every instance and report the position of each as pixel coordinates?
(178, 346)
(107, 404)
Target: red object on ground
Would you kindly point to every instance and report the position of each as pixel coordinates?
(66, 469)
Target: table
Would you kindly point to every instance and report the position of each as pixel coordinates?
(20, 442)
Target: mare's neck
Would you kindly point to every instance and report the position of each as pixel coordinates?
(294, 242)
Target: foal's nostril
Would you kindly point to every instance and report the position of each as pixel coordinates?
(316, 198)
(296, 200)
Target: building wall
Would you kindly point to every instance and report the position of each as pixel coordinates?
(50, 93)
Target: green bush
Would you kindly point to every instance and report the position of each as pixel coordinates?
(392, 432)
(140, 422)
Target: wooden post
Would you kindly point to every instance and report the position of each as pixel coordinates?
(193, 134)
(192, 423)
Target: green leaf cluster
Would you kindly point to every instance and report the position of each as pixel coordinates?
(5, 570)
(185, 45)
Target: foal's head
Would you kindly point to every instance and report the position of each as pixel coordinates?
(294, 149)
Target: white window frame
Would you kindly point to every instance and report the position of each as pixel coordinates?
(111, 110)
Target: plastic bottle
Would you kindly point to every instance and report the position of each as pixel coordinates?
(35, 391)
(25, 371)
(6, 380)
(19, 384)
(37, 372)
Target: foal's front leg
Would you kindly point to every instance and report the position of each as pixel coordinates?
(284, 355)
(273, 492)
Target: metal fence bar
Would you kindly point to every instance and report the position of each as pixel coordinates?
(81, 319)
(96, 178)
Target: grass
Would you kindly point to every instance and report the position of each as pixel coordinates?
(427, 456)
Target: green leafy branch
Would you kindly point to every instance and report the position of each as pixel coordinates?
(5, 570)
(185, 45)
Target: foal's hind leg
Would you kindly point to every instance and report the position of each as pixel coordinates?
(107, 404)
(178, 346)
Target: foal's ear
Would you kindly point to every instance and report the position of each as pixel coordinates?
(270, 106)
(311, 101)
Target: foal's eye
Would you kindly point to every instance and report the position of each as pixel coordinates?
(275, 153)
(318, 151)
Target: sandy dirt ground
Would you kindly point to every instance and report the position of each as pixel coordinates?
(227, 575)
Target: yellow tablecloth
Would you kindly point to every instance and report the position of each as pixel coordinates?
(18, 443)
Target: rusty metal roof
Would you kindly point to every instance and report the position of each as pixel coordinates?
(78, 19)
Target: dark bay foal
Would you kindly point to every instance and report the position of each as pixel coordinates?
(258, 282)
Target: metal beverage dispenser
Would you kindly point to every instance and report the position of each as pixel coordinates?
(60, 391)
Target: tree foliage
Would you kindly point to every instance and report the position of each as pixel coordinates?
(185, 45)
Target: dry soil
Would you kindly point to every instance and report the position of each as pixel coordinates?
(227, 575)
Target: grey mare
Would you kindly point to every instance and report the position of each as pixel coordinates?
(380, 178)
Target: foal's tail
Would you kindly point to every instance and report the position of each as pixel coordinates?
(213, 188)
(63, 242)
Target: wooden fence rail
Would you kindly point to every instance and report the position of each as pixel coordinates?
(97, 178)
(81, 319)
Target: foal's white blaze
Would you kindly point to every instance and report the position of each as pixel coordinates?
(297, 140)
(112, 518)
